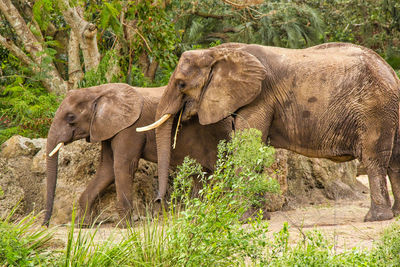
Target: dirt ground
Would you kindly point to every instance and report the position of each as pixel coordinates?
(341, 222)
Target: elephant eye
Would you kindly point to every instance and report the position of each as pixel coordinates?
(70, 118)
(181, 85)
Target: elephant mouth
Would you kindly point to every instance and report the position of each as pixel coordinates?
(77, 134)
(189, 108)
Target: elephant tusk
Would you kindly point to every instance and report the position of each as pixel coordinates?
(177, 129)
(154, 125)
(54, 151)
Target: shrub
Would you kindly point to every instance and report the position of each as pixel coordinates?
(26, 110)
(210, 230)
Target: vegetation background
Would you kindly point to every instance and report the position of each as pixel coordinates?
(49, 47)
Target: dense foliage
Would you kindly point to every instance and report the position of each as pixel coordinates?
(209, 231)
(26, 109)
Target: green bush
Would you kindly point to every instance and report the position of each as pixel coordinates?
(21, 244)
(25, 109)
(209, 230)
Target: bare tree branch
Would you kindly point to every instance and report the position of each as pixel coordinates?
(241, 5)
(85, 31)
(16, 51)
(75, 72)
(12, 15)
(207, 15)
(52, 81)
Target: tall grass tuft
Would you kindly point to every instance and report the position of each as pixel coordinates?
(22, 243)
(83, 249)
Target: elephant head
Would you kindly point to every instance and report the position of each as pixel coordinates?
(211, 83)
(83, 114)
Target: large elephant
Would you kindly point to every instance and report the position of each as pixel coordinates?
(336, 100)
(110, 114)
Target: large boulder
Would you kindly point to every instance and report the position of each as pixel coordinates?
(309, 181)
(315, 181)
(17, 181)
(23, 179)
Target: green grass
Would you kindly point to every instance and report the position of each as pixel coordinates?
(22, 243)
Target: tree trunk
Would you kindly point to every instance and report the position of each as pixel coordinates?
(86, 33)
(75, 73)
(151, 72)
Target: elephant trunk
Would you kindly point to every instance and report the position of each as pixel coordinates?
(163, 139)
(52, 170)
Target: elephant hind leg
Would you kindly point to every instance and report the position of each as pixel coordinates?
(376, 164)
(394, 175)
(124, 172)
(376, 152)
(380, 209)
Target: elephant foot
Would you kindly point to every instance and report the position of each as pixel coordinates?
(84, 220)
(126, 221)
(159, 208)
(378, 214)
(396, 209)
(266, 215)
(254, 213)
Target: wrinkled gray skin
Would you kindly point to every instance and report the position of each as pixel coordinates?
(110, 114)
(337, 101)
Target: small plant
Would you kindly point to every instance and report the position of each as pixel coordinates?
(387, 251)
(210, 230)
(22, 244)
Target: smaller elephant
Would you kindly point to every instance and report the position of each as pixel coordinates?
(110, 114)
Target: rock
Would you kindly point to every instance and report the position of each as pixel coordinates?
(10, 192)
(20, 146)
(315, 180)
(39, 162)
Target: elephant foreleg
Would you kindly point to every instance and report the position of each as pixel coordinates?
(104, 177)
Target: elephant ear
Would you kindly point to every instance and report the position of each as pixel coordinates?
(235, 80)
(116, 109)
